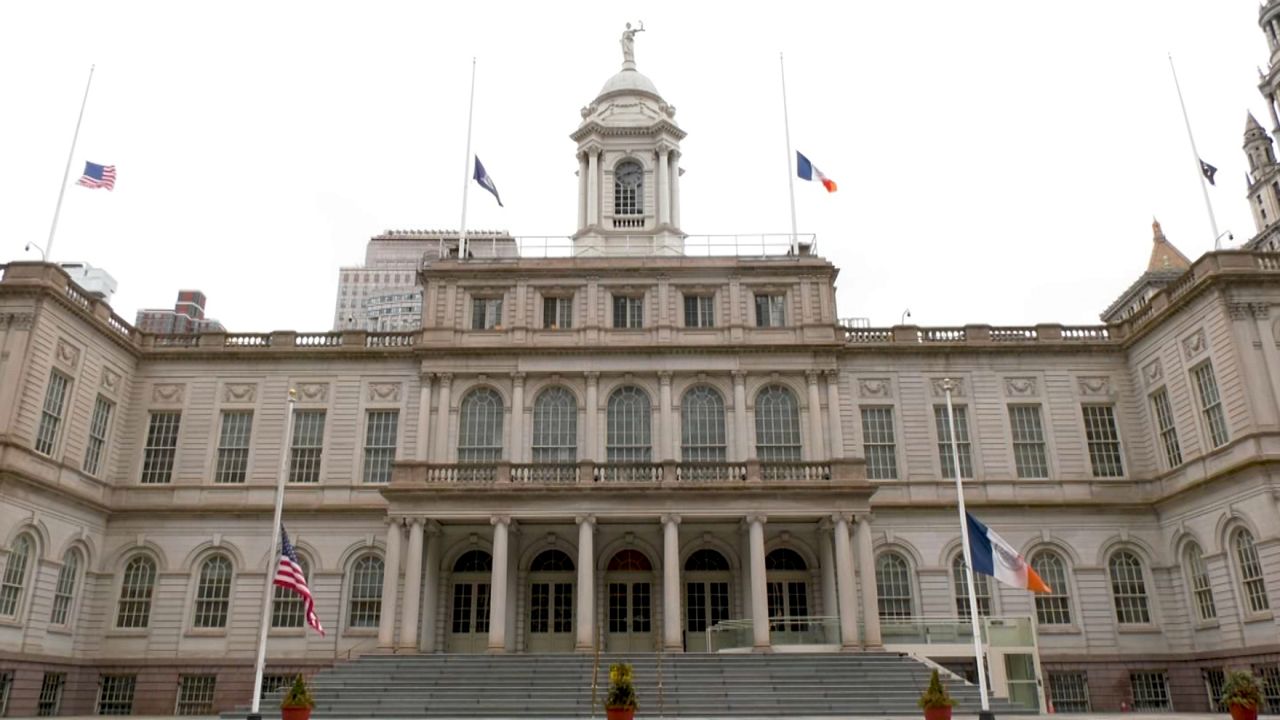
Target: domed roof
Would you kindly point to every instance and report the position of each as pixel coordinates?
(629, 80)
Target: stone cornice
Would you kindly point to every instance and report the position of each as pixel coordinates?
(595, 128)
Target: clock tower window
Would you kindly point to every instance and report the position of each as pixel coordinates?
(628, 189)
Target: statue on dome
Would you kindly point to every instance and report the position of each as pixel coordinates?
(629, 44)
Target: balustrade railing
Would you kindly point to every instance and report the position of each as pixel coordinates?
(248, 340)
(1014, 334)
(461, 474)
(711, 472)
(942, 335)
(629, 472)
(868, 335)
(77, 297)
(549, 473)
(795, 471)
(1086, 333)
(329, 339)
(390, 339)
(179, 340)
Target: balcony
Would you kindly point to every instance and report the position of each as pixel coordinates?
(408, 475)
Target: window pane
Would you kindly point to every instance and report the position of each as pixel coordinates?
(777, 425)
(962, 441)
(1255, 588)
(15, 576)
(1150, 691)
(97, 436)
(136, 587)
(893, 586)
(480, 427)
(287, 609)
(308, 446)
(1211, 405)
(1103, 439)
(1028, 441)
(628, 189)
(213, 594)
(380, 444)
(879, 443)
(51, 414)
(1129, 589)
(771, 310)
(981, 590)
(1052, 608)
(233, 447)
(366, 592)
(162, 444)
(627, 434)
(64, 591)
(1168, 432)
(555, 427)
(702, 434)
(699, 311)
(628, 312)
(1198, 579)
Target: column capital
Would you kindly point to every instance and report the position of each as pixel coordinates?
(426, 377)
(812, 376)
(446, 379)
(1260, 311)
(500, 520)
(756, 518)
(394, 520)
(842, 517)
(432, 528)
(585, 519)
(824, 523)
(592, 377)
(739, 376)
(593, 150)
(670, 519)
(664, 377)
(663, 148)
(517, 379)
(1238, 310)
(416, 521)
(831, 374)
(864, 518)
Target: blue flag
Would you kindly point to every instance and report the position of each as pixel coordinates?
(486, 182)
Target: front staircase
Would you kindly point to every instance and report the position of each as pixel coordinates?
(688, 684)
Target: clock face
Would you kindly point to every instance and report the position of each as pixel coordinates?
(630, 174)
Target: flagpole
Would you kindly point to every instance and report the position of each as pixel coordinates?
(66, 173)
(273, 559)
(791, 176)
(466, 166)
(947, 385)
(1204, 188)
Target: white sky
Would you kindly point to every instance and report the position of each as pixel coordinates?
(998, 162)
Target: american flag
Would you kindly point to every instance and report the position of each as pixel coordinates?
(289, 576)
(96, 176)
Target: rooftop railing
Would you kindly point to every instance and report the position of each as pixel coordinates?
(561, 246)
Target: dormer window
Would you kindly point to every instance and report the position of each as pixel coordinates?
(628, 189)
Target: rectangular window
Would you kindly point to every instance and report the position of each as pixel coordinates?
(1214, 678)
(50, 700)
(879, 442)
(628, 312)
(557, 313)
(1269, 678)
(1069, 692)
(233, 446)
(162, 445)
(115, 694)
(6, 683)
(1211, 405)
(962, 441)
(55, 397)
(1150, 691)
(308, 444)
(699, 311)
(1029, 454)
(1103, 439)
(98, 428)
(195, 694)
(771, 310)
(380, 444)
(486, 313)
(1165, 427)
(272, 683)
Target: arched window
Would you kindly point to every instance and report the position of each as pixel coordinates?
(706, 561)
(627, 433)
(287, 609)
(480, 427)
(1128, 589)
(1198, 580)
(1255, 588)
(136, 589)
(893, 586)
(630, 561)
(787, 588)
(64, 592)
(777, 425)
(555, 427)
(981, 589)
(15, 576)
(474, 561)
(552, 561)
(365, 608)
(213, 593)
(1052, 608)
(628, 188)
(702, 426)
(784, 559)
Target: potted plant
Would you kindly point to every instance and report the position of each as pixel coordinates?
(620, 703)
(1242, 694)
(935, 701)
(297, 703)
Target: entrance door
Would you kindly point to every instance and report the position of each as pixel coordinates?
(787, 584)
(629, 581)
(469, 608)
(1020, 672)
(551, 603)
(706, 597)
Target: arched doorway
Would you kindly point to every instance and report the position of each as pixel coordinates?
(629, 586)
(787, 581)
(469, 606)
(706, 596)
(551, 602)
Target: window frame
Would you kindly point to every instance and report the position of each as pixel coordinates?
(1102, 469)
(628, 200)
(231, 462)
(704, 437)
(775, 304)
(486, 311)
(906, 581)
(286, 603)
(373, 602)
(21, 586)
(49, 429)
(1147, 607)
(97, 446)
(554, 422)
(629, 308)
(701, 308)
(1201, 593)
(1025, 446)
(377, 459)
(641, 423)
(75, 560)
(160, 460)
(964, 441)
(1217, 430)
(482, 428)
(1062, 591)
(310, 453)
(1166, 434)
(212, 594)
(144, 603)
(1251, 587)
(882, 464)
(557, 311)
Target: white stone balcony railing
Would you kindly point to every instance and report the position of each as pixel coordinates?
(586, 472)
(562, 246)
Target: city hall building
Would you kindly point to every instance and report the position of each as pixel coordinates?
(645, 441)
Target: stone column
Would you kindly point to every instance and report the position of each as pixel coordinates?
(671, 638)
(1244, 331)
(593, 186)
(816, 451)
(664, 186)
(834, 426)
(759, 588)
(582, 190)
(430, 604)
(675, 188)
(1275, 119)
(591, 429)
(390, 582)
(844, 581)
(498, 585)
(517, 418)
(830, 603)
(1267, 338)
(744, 552)
(422, 450)
(441, 454)
(867, 579)
(741, 436)
(412, 587)
(666, 419)
(586, 583)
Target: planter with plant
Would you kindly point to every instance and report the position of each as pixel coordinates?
(620, 703)
(935, 701)
(297, 702)
(1241, 694)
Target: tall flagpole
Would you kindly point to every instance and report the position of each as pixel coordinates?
(273, 559)
(66, 173)
(947, 385)
(466, 169)
(791, 176)
(1204, 187)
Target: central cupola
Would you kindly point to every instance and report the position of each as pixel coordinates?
(628, 167)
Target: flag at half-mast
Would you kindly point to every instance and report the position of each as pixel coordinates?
(1208, 170)
(98, 176)
(993, 555)
(289, 575)
(806, 170)
(485, 181)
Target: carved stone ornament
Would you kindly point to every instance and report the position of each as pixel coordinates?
(957, 388)
(17, 321)
(1193, 344)
(171, 393)
(384, 392)
(110, 380)
(1094, 385)
(1260, 310)
(66, 354)
(875, 388)
(1153, 371)
(313, 392)
(239, 392)
(1020, 387)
